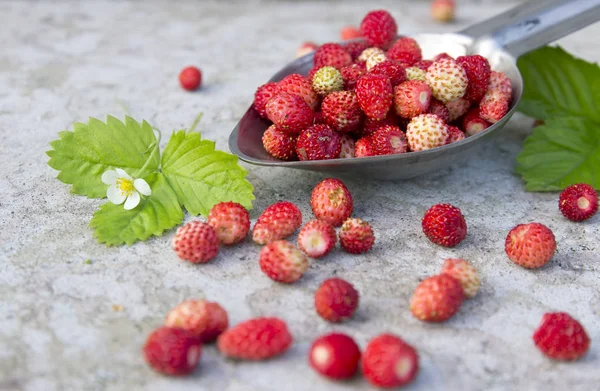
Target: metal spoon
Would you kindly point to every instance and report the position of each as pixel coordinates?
(501, 39)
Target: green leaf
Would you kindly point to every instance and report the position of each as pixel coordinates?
(84, 154)
(201, 176)
(558, 84)
(563, 152)
(156, 213)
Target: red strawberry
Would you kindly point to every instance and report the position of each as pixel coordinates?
(318, 142)
(190, 78)
(290, 113)
(445, 225)
(230, 221)
(379, 28)
(172, 351)
(305, 48)
(388, 140)
(374, 93)
(351, 74)
(336, 300)
(444, 55)
(454, 135)
(279, 144)
(363, 147)
(423, 64)
(438, 108)
(282, 262)
(500, 84)
(530, 245)
(332, 54)
(355, 48)
(255, 339)
(196, 242)
(262, 95)
(437, 298)
(406, 51)
(318, 118)
(389, 362)
(472, 123)
(331, 201)
(493, 107)
(299, 85)
(426, 131)
(347, 147)
(442, 10)
(578, 202)
(206, 320)
(392, 70)
(341, 111)
(370, 125)
(356, 236)
(335, 356)
(478, 73)
(561, 337)
(349, 32)
(412, 98)
(317, 238)
(465, 273)
(457, 108)
(278, 221)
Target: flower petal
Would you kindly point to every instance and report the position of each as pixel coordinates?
(142, 186)
(132, 201)
(115, 195)
(123, 174)
(110, 177)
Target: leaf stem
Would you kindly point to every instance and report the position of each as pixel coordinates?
(155, 150)
(195, 123)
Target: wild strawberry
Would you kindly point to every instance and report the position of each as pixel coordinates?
(290, 113)
(426, 131)
(411, 98)
(317, 238)
(391, 69)
(332, 54)
(205, 319)
(457, 108)
(335, 356)
(530, 245)
(363, 147)
(351, 74)
(230, 221)
(561, 337)
(478, 73)
(262, 95)
(472, 123)
(379, 28)
(190, 78)
(375, 59)
(318, 118)
(445, 225)
(500, 84)
(447, 79)
(423, 64)
(327, 80)
(438, 108)
(341, 111)
(299, 85)
(414, 73)
(465, 273)
(278, 144)
(442, 10)
(255, 339)
(305, 48)
(282, 262)
(389, 362)
(443, 55)
(437, 298)
(356, 236)
(172, 351)
(578, 202)
(276, 222)
(374, 93)
(318, 142)
(406, 51)
(331, 201)
(388, 140)
(336, 300)
(493, 107)
(356, 48)
(347, 147)
(311, 74)
(349, 32)
(454, 135)
(370, 125)
(368, 52)
(196, 242)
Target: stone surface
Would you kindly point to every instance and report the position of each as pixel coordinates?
(69, 325)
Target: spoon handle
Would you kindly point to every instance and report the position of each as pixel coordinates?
(536, 23)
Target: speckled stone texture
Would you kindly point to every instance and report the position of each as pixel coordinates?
(69, 325)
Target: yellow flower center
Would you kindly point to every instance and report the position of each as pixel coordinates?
(125, 185)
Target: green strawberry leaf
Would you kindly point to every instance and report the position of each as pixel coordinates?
(90, 149)
(201, 176)
(156, 213)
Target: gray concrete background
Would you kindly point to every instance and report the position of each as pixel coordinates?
(67, 325)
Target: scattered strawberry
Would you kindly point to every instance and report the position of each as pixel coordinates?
(331, 201)
(299, 85)
(406, 51)
(230, 221)
(374, 93)
(415, 73)
(438, 108)
(190, 78)
(262, 95)
(465, 273)
(318, 142)
(472, 123)
(442, 10)
(336, 300)
(530, 245)
(392, 70)
(478, 74)
(457, 108)
(389, 362)
(412, 98)
(578, 202)
(423, 64)
(317, 238)
(255, 339)
(447, 79)
(355, 48)
(205, 319)
(363, 147)
(379, 28)
(327, 80)
(276, 222)
(454, 135)
(561, 337)
(426, 131)
(335, 356)
(282, 262)
(347, 147)
(332, 54)
(388, 140)
(351, 74)
(437, 298)
(172, 351)
(445, 225)
(290, 113)
(341, 111)
(375, 59)
(356, 236)
(278, 144)
(305, 48)
(350, 32)
(368, 52)
(196, 242)
(370, 125)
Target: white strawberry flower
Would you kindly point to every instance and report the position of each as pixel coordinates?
(123, 188)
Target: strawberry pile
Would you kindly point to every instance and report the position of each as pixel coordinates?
(378, 96)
